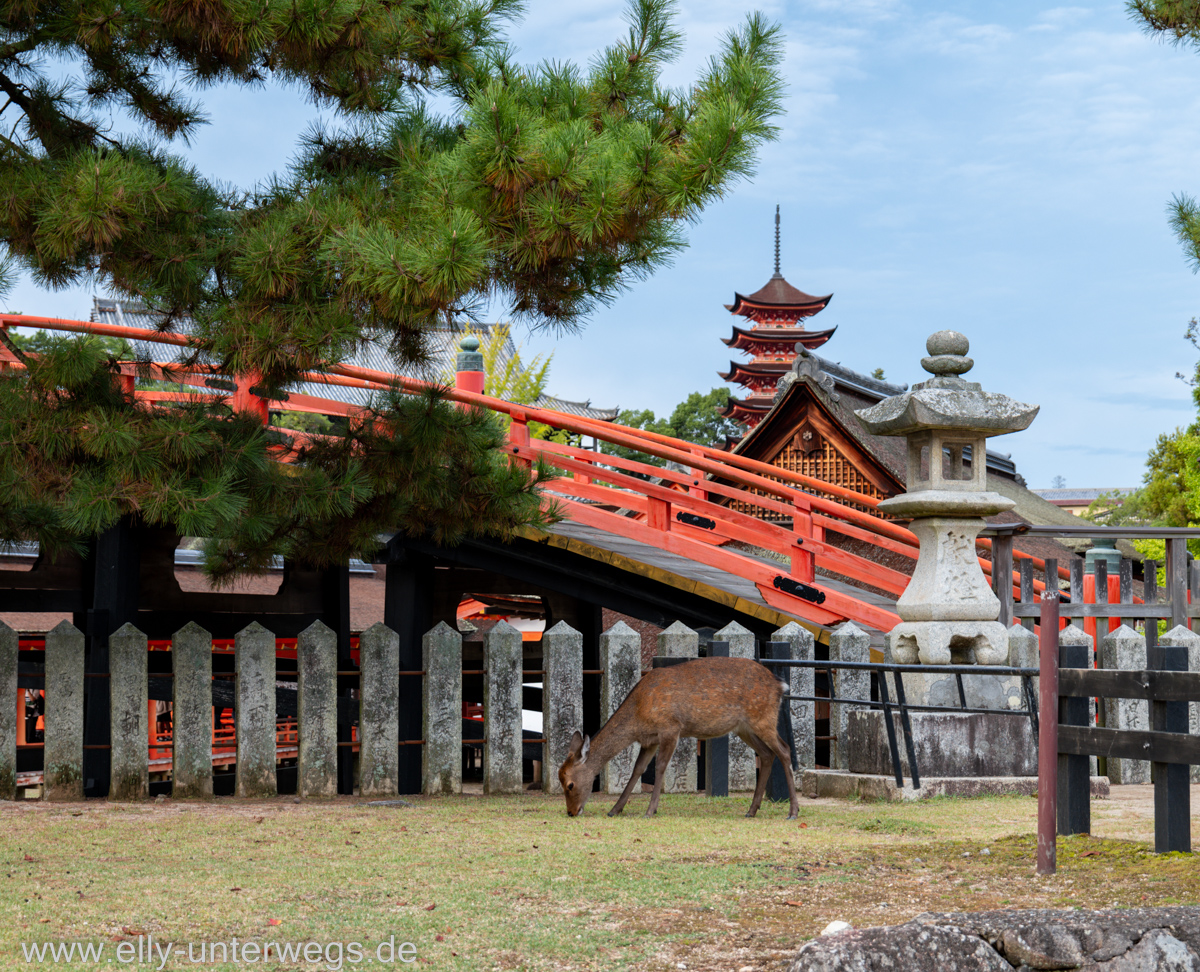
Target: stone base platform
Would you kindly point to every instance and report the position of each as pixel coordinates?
(947, 744)
(870, 786)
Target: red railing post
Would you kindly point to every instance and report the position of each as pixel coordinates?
(803, 562)
(658, 514)
(518, 433)
(1047, 846)
(697, 478)
(244, 398)
(468, 367)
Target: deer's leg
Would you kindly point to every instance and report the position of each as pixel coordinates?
(765, 758)
(785, 757)
(645, 754)
(666, 749)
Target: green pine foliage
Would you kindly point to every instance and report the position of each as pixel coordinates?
(79, 453)
(550, 187)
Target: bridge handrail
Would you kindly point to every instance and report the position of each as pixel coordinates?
(749, 473)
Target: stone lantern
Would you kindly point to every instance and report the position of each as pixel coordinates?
(948, 612)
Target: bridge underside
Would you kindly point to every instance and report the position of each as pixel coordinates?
(605, 570)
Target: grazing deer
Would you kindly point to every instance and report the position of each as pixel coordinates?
(705, 698)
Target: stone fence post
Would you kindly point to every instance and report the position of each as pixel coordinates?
(1181, 637)
(192, 713)
(379, 712)
(128, 705)
(801, 681)
(621, 662)
(848, 643)
(8, 712)
(317, 711)
(441, 756)
(502, 657)
(63, 739)
(1125, 650)
(680, 641)
(742, 759)
(562, 698)
(254, 694)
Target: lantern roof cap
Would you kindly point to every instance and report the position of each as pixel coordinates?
(947, 402)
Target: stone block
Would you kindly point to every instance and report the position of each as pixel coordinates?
(1125, 650)
(502, 657)
(1023, 649)
(946, 744)
(441, 756)
(254, 694)
(743, 774)
(848, 643)
(316, 705)
(949, 643)
(680, 641)
(621, 662)
(1181, 637)
(128, 707)
(192, 713)
(562, 698)
(379, 712)
(8, 712)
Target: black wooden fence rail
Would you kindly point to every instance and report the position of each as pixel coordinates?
(1067, 682)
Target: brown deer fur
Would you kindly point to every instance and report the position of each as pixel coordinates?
(705, 698)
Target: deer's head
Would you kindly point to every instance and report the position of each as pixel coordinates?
(575, 775)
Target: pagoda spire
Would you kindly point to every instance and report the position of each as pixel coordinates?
(777, 273)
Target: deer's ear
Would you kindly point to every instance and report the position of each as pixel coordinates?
(587, 745)
(577, 743)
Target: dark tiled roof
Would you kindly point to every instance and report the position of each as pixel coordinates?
(778, 292)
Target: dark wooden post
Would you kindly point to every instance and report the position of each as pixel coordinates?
(1150, 596)
(114, 601)
(1177, 581)
(335, 614)
(1047, 848)
(1074, 772)
(1126, 587)
(1077, 587)
(408, 591)
(1002, 584)
(1027, 589)
(716, 752)
(1172, 794)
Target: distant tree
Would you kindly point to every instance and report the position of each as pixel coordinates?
(696, 419)
(509, 378)
(1058, 482)
(877, 374)
(41, 342)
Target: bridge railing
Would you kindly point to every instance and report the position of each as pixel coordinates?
(663, 507)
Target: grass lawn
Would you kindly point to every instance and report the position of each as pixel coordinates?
(512, 883)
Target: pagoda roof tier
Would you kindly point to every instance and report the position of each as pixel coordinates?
(748, 413)
(776, 340)
(778, 299)
(758, 375)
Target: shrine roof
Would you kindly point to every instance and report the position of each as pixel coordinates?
(749, 336)
(781, 294)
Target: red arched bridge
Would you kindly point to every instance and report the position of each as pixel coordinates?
(741, 528)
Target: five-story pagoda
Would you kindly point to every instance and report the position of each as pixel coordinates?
(776, 333)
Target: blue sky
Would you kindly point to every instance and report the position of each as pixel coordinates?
(998, 168)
